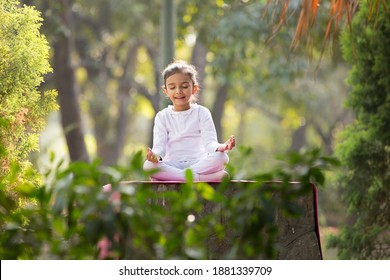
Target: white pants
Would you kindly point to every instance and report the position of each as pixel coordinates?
(209, 168)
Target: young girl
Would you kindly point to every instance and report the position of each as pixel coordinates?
(184, 135)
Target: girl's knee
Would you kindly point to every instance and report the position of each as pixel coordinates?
(220, 157)
(148, 165)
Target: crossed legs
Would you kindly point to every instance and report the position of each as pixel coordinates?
(209, 168)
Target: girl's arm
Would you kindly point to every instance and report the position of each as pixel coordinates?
(160, 138)
(207, 130)
(209, 134)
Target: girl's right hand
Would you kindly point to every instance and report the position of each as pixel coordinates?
(150, 156)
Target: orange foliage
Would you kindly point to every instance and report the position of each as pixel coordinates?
(339, 9)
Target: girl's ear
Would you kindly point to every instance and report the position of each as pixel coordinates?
(195, 89)
(164, 90)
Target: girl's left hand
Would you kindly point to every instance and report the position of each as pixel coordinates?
(228, 145)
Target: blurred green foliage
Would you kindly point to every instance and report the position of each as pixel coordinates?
(68, 215)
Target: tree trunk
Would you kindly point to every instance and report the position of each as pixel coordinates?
(198, 59)
(218, 108)
(168, 36)
(66, 86)
(241, 124)
(299, 138)
(103, 121)
(123, 100)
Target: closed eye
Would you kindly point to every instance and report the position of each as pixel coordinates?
(182, 87)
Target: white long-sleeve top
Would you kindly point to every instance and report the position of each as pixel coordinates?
(184, 135)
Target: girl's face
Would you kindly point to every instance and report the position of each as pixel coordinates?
(180, 88)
